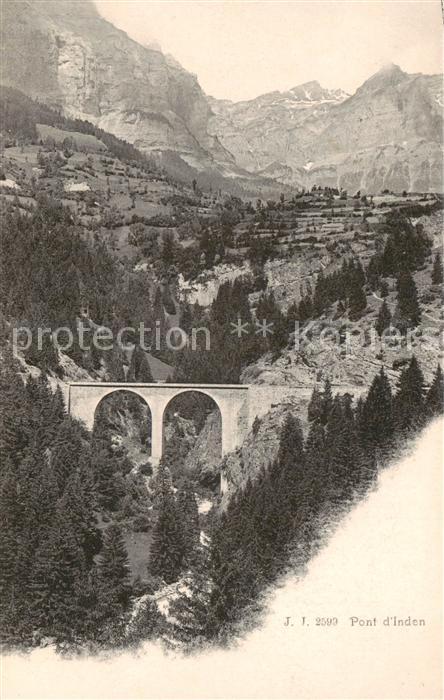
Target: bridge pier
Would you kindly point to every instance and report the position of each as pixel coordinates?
(157, 408)
(231, 431)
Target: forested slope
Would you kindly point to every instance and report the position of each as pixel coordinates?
(96, 237)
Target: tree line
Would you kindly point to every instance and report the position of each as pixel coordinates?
(19, 116)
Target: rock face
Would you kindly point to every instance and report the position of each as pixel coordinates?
(260, 447)
(203, 459)
(264, 133)
(67, 55)
(387, 135)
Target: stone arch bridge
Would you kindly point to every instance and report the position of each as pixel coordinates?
(239, 405)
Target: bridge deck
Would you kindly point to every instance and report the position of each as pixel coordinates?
(126, 385)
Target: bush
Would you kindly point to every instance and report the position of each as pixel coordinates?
(142, 523)
(146, 469)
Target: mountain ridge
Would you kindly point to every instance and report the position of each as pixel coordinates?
(296, 92)
(387, 135)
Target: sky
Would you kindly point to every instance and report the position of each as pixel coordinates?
(240, 49)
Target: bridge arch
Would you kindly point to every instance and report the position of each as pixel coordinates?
(127, 393)
(130, 389)
(195, 396)
(190, 390)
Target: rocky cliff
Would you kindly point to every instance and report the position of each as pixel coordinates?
(387, 135)
(67, 55)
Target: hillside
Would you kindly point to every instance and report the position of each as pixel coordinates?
(178, 245)
(94, 71)
(72, 59)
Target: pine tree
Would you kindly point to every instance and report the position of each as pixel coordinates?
(316, 466)
(408, 310)
(186, 319)
(408, 403)
(189, 514)
(359, 273)
(113, 566)
(376, 421)
(58, 408)
(159, 320)
(162, 482)
(327, 401)
(435, 397)
(41, 410)
(139, 369)
(191, 612)
(42, 354)
(263, 519)
(291, 443)
(115, 365)
(320, 297)
(67, 452)
(374, 271)
(384, 319)
(58, 571)
(10, 517)
(35, 507)
(43, 498)
(15, 424)
(406, 246)
(32, 404)
(359, 414)
(384, 289)
(166, 556)
(315, 405)
(77, 504)
(235, 574)
(222, 597)
(98, 615)
(144, 624)
(345, 458)
(357, 301)
(144, 373)
(437, 273)
(305, 309)
(290, 465)
(105, 468)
